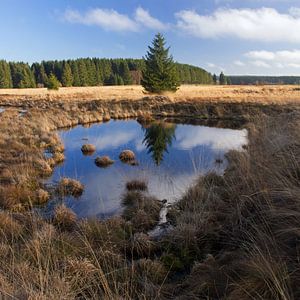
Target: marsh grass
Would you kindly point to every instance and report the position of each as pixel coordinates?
(235, 236)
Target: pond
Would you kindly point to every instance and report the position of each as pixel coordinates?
(170, 158)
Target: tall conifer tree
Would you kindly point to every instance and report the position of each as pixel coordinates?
(160, 73)
(67, 78)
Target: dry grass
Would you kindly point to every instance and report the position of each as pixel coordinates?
(235, 237)
(136, 185)
(69, 186)
(267, 94)
(103, 161)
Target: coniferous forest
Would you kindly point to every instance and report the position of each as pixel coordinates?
(88, 72)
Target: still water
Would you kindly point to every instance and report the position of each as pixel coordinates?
(170, 156)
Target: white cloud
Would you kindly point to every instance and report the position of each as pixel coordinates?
(111, 20)
(239, 63)
(143, 17)
(264, 24)
(264, 55)
(260, 63)
(279, 59)
(214, 67)
(211, 65)
(295, 11)
(107, 19)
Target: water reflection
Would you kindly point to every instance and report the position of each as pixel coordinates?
(171, 156)
(158, 137)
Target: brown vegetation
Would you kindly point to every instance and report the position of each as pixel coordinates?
(88, 149)
(103, 161)
(234, 237)
(136, 185)
(127, 156)
(267, 94)
(68, 186)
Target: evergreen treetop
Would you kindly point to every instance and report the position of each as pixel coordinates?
(160, 72)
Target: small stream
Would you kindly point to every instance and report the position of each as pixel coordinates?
(170, 158)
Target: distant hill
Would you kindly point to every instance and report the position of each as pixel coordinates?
(88, 72)
(239, 80)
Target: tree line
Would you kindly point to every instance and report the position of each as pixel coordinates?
(88, 72)
(260, 80)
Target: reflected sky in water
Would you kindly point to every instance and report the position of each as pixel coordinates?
(170, 156)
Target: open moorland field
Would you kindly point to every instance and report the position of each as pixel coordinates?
(234, 236)
(263, 94)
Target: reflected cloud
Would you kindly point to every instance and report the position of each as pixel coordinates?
(114, 139)
(216, 138)
(191, 153)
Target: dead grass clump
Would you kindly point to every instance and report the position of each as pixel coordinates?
(6, 177)
(58, 157)
(64, 217)
(68, 186)
(9, 228)
(145, 118)
(141, 210)
(13, 197)
(127, 156)
(43, 167)
(142, 245)
(136, 185)
(103, 161)
(153, 270)
(88, 149)
(42, 196)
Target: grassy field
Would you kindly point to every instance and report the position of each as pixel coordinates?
(235, 237)
(263, 94)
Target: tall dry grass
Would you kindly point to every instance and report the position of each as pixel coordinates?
(237, 236)
(234, 237)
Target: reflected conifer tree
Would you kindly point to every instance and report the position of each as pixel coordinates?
(158, 137)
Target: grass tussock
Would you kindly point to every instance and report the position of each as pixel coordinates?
(103, 161)
(136, 185)
(141, 210)
(70, 187)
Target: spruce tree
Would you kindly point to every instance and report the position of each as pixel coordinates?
(222, 79)
(5, 75)
(160, 73)
(75, 73)
(125, 73)
(67, 78)
(53, 83)
(215, 79)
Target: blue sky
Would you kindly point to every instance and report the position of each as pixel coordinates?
(238, 37)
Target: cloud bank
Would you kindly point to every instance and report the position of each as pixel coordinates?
(277, 59)
(264, 24)
(111, 20)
